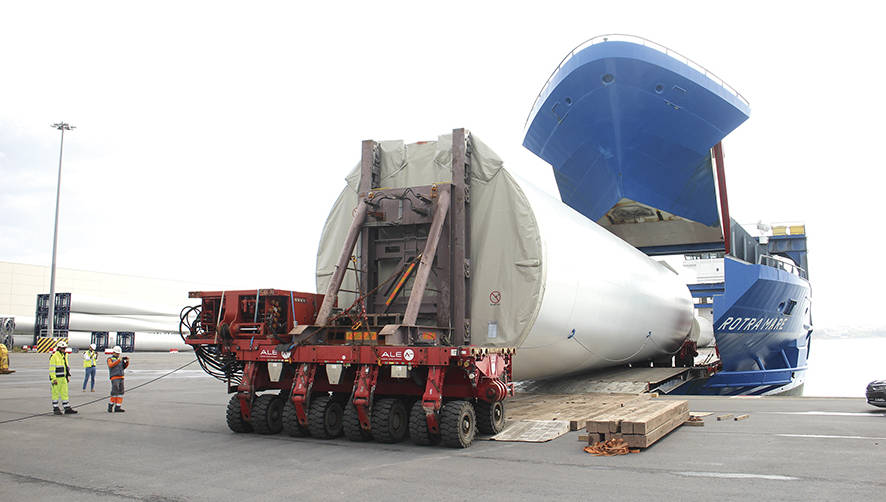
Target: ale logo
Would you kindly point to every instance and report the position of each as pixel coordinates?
(407, 355)
(268, 353)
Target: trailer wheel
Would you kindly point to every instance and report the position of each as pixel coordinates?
(418, 426)
(290, 421)
(351, 425)
(325, 417)
(458, 424)
(490, 416)
(390, 424)
(267, 414)
(235, 419)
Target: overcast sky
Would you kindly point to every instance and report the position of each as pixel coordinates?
(212, 138)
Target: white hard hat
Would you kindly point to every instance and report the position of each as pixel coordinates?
(92, 346)
(61, 345)
(117, 349)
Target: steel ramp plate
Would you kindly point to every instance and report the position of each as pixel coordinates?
(605, 381)
(532, 431)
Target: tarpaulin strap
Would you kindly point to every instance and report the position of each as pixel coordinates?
(218, 319)
(292, 303)
(255, 317)
(608, 448)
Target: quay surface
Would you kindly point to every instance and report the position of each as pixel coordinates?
(172, 444)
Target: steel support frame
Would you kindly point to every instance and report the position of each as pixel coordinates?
(301, 391)
(364, 391)
(246, 389)
(441, 211)
(446, 251)
(460, 239)
(432, 399)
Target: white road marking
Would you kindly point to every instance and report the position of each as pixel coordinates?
(737, 475)
(826, 413)
(826, 436)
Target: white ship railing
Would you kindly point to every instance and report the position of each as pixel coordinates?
(621, 37)
(790, 268)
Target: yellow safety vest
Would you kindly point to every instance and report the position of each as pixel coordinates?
(58, 365)
(89, 359)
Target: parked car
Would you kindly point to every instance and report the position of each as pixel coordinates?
(876, 393)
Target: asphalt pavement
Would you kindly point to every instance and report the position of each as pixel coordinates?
(172, 444)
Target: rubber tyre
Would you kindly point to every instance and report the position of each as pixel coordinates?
(458, 424)
(290, 421)
(351, 425)
(490, 416)
(267, 414)
(418, 427)
(235, 419)
(325, 417)
(390, 423)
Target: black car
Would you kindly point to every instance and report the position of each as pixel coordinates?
(876, 393)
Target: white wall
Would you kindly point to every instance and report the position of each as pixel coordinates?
(20, 283)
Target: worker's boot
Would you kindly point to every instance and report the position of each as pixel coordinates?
(118, 409)
(70, 411)
(56, 411)
(110, 407)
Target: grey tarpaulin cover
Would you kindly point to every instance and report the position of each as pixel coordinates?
(506, 250)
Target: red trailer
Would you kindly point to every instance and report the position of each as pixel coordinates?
(395, 362)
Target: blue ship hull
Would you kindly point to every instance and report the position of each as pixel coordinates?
(622, 120)
(625, 124)
(761, 325)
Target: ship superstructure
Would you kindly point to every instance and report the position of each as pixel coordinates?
(633, 132)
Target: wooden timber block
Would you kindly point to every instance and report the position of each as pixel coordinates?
(611, 420)
(573, 409)
(725, 417)
(694, 422)
(651, 417)
(741, 417)
(644, 441)
(700, 414)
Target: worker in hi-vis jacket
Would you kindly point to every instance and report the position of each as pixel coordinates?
(59, 375)
(90, 357)
(116, 364)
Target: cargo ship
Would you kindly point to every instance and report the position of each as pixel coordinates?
(633, 132)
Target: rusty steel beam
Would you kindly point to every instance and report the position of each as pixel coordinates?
(369, 168)
(459, 241)
(370, 176)
(427, 258)
(342, 265)
(724, 200)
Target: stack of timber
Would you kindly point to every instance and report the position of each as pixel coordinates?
(639, 424)
(576, 409)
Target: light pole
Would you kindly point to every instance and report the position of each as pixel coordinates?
(61, 126)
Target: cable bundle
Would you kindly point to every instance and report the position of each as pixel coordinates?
(214, 361)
